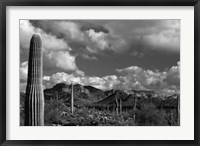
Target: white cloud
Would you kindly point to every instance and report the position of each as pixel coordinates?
(104, 83)
(130, 78)
(78, 77)
(161, 35)
(165, 36)
(61, 77)
(69, 29)
(79, 73)
(99, 38)
(57, 53)
(164, 40)
(135, 77)
(56, 50)
(46, 78)
(173, 75)
(62, 60)
(50, 41)
(87, 57)
(23, 71)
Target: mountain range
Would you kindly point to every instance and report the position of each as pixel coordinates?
(91, 96)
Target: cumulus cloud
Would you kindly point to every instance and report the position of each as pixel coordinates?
(164, 40)
(99, 39)
(23, 71)
(69, 29)
(173, 75)
(56, 50)
(135, 77)
(78, 77)
(118, 36)
(50, 41)
(87, 57)
(62, 29)
(89, 35)
(160, 35)
(130, 78)
(63, 41)
(75, 32)
(62, 59)
(104, 83)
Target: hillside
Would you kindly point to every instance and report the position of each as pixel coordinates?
(97, 107)
(83, 95)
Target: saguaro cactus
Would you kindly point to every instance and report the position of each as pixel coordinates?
(120, 105)
(134, 107)
(34, 102)
(72, 99)
(117, 105)
(178, 109)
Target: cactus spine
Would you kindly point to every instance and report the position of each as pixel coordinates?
(34, 102)
(72, 99)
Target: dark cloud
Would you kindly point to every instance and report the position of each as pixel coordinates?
(56, 51)
(98, 47)
(117, 35)
(95, 28)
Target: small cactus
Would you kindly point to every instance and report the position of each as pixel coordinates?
(178, 110)
(72, 99)
(117, 105)
(34, 100)
(134, 107)
(120, 105)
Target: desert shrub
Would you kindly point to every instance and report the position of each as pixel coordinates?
(22, 116)
(126, 115)
(148, 115)
(52, 112)
(172, 117)
(22, 112)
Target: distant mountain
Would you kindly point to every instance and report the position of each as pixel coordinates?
(82, 94)
(111, 99)
(91, 96)
(109, 92)
(143, 97)
(97, 94)
(92, 89)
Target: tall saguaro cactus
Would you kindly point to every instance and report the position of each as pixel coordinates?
(34, 102)
(178, 110)
(72, 99)
(117, 105)
(134, 107)
(120, 105)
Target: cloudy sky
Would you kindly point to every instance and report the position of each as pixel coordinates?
(119, 54)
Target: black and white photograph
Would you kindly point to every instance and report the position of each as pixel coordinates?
(95, 72)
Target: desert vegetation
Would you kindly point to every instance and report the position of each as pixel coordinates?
(95, 107)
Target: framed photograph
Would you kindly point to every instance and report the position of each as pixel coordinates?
(99, 72)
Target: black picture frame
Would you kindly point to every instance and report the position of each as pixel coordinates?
(5, 3)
